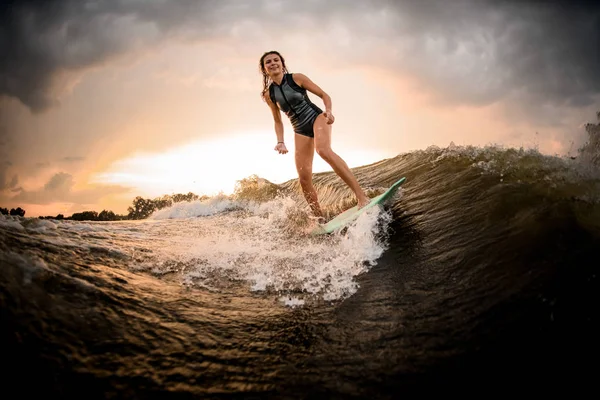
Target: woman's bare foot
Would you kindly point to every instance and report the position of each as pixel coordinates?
(362, 200)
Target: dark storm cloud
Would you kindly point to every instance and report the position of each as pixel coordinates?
(479, 52)
(473, 52)
(6, 181)
(39, 39)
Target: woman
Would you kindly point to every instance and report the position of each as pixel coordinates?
(287, 92)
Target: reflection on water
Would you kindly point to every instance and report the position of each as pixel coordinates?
(479, 276)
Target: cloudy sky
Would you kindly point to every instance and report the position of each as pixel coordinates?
(101, 101)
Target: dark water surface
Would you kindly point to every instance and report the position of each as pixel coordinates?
(480, 278)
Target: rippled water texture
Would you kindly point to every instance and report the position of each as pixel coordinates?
(479, 277)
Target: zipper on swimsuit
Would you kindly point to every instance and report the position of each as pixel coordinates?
(285, 98)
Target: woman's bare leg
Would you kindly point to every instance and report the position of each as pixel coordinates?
(305, 148)
(322, 132)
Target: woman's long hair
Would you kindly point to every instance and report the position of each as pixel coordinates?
(265, 76)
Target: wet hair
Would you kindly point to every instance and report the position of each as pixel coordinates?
(265, 77)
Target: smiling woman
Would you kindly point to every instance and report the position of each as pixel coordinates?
(288, 92)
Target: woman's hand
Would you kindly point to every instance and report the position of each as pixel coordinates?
(281, 148)
(329, 117)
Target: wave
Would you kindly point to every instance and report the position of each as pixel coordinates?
(482, 268)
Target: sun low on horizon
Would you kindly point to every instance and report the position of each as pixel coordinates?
(213, 166)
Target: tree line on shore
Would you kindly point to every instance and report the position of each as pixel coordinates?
(140, 209)
(252, 187)
(13, 211)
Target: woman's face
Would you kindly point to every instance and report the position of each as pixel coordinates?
(272, 64)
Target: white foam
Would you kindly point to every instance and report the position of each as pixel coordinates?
(291, 301)
(41, 226)
(82, 227)
(184, 209)
(9, 222)
(256, 246)
(260, 247)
